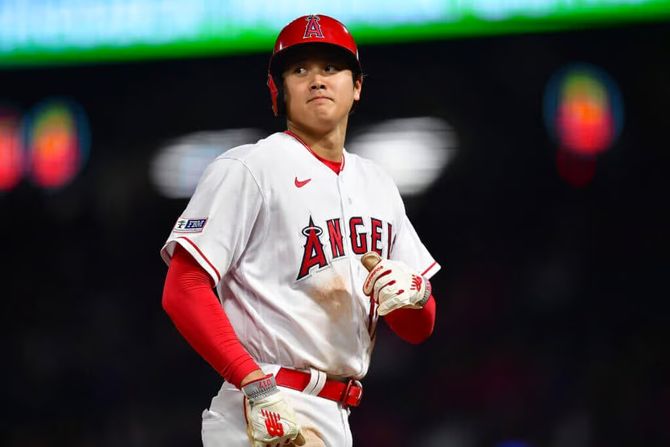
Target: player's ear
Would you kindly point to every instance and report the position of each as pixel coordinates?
(282, 101)
(358, 87)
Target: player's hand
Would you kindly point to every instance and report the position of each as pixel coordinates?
(270, 419)
(394, 285)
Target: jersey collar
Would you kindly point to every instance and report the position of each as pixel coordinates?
(333, 165)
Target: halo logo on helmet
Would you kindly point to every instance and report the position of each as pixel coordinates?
(313, 29)
(319, 30)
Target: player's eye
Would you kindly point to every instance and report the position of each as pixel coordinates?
(332, 68)
(299, 69)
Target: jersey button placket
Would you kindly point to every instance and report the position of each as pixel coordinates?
(347, 206)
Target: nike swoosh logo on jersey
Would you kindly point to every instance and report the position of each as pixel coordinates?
(301, 183)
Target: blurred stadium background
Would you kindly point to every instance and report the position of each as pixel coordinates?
(529, 137)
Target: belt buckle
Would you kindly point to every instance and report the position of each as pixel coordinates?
(351, 396)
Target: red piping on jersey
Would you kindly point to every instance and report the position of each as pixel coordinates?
(337, 167)
(218, 275)
(430, 267)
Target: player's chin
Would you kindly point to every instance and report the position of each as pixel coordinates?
(325, 122)
(322, 107)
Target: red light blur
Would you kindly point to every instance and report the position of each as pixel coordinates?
(583, 113)
(584, 120)
(54, 145)
(11, 157)
(576, 169)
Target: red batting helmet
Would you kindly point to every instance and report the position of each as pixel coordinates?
(309, 30)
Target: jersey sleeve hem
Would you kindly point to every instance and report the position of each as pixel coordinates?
(431, 270)
(198, 255)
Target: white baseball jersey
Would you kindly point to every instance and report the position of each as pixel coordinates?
(281, 234)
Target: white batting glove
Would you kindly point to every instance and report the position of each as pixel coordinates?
(395, 285)
(270, 419)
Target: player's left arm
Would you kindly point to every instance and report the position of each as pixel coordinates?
(401, 284)
(404, 297)
(413, 325)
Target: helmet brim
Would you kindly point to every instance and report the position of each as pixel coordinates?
(295, 53)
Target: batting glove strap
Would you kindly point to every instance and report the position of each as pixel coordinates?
(260, 388)
(426, 295)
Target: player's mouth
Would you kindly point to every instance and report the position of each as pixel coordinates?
(320, 99)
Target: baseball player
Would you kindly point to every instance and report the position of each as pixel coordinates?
(279, 229)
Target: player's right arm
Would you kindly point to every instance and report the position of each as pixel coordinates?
(190, 302)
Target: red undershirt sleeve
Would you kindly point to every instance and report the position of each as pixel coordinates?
(413, 325)
(195, 310)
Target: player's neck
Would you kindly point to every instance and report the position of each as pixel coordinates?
(328, 145)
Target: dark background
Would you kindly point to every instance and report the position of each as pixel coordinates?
(552, 325)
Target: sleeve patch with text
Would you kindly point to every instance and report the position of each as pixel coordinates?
(189, 225)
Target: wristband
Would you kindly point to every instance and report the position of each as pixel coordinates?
(260, 388)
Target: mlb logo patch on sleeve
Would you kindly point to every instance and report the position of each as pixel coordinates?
(189, 225)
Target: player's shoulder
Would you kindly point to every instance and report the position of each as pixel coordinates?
(249, 152)
(368, 167)
(263, 152)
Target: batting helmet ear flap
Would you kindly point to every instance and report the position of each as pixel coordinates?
(274, 92)
(277, 96)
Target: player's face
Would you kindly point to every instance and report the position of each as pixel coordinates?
(319, 91)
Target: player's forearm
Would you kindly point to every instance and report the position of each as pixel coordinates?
(194, 309)
(253, 375)
(413, 325)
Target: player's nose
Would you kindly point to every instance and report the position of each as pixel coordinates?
(317, 85)
(316, 82)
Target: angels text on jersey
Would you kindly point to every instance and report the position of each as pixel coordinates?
(362, 235)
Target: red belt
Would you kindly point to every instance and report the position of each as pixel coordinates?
(347, 393)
